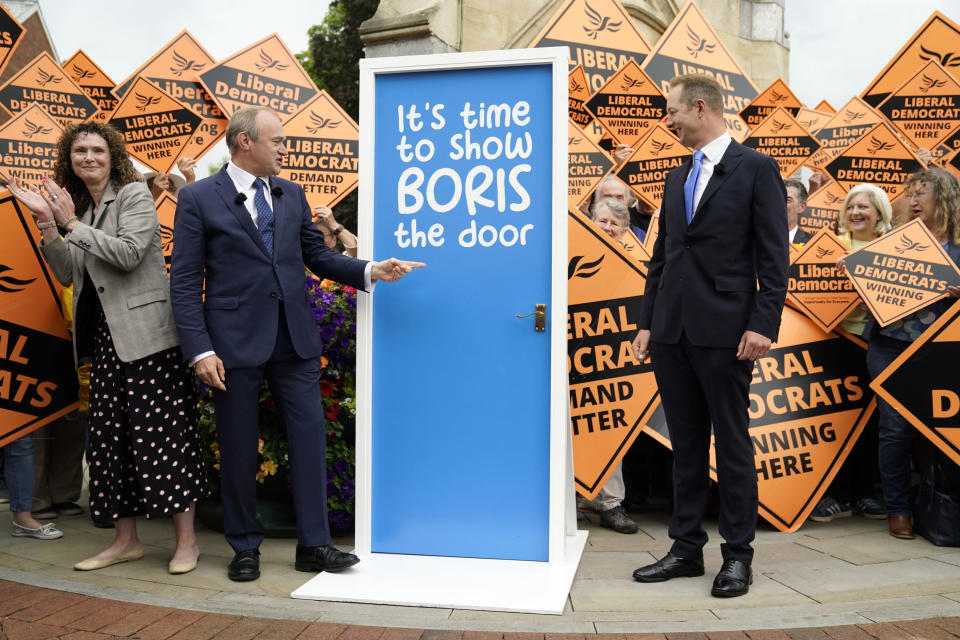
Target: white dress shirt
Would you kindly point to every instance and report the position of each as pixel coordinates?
(712, 153)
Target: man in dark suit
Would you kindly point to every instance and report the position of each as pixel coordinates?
(703, 320)
(242, 238)
(796, 203)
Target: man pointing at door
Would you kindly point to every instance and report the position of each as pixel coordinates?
(241, 240)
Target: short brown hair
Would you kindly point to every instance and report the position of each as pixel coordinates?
(697, 86)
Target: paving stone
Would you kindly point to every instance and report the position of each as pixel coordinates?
(356, 632)
(45, 604)
(140, 617)
(322, 631)
(282, 630)
(169, 625)
(402, 634)
(11, 629)
(846, 633)
(86, 635)
(67, 615)
(109, 611)
(806, 634)
(926, 630)
(440, 634)
(727, 635)
(768, 634)
(523, 636)
(481, 635)
(205, 627)
(885, 631)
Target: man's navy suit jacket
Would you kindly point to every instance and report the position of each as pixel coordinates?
(225, 287)
(703, 279)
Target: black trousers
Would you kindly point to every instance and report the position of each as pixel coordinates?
(700, 387)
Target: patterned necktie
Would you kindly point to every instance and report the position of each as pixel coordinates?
(265, 215)
(689, 187)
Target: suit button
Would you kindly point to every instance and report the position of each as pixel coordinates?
(686, 246)
(99, 289)
(273, 294)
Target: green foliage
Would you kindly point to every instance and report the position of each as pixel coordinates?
(333, 62)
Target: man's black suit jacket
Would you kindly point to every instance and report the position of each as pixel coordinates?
(703, 279)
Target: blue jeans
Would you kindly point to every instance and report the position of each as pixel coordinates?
(895, 433)
(18, 471)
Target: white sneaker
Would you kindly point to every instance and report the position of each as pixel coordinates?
(46, 532)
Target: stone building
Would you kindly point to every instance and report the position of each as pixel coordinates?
(753, 30)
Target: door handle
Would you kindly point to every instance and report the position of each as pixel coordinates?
(539, 317)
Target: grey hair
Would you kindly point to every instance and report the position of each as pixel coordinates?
(616, 207)
(244, 121)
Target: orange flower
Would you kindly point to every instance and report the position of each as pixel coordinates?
(323, 362)
(260, 445)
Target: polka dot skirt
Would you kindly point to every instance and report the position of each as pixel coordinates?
(143, 450)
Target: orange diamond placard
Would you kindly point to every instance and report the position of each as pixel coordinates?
(11, 34)
(925, 108)
(28, 145)
(813, 120)
(156, 126)
(808, 403)
(952, 163)
(901, 272)
(265, 74)
(628, 104)
(843, 129)
(94, 82)
(587, 165)
(166, 211)
(38, 382)
(323, 145)
(778, 94)
(879, 157)
(690, 45)
(578, 94)
(937, 39)
(175, 68)
(44, 82)
(815, 287)
(823, 208)
(633, 246)
(825, 106)
(653, 230)
(599, 34)
(645, 172)
(784, 139)
(922, 383)
(611, 393)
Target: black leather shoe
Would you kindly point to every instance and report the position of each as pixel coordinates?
(734, 579)
(670, 566)
(325, 558)
(245, 566)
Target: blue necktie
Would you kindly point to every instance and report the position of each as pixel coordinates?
(265, 215)
(690, 186)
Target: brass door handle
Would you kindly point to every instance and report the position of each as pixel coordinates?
(539, 317)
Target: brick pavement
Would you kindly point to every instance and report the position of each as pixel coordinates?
(34, 613)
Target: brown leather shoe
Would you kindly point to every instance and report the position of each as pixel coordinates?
(900, 527)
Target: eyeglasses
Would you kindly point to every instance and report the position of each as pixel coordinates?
(916, 195)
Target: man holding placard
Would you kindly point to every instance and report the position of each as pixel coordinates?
(242, 239)
(723, 229)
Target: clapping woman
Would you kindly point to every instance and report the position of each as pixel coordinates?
(143, 448)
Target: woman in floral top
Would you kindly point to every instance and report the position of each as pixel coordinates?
(933, 196)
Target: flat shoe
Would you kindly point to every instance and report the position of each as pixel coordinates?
(177, 568)
(91, 564)
(46, 532)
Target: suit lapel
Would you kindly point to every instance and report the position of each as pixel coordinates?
(677, 202)
(228, 193)
(109, 195)
(730, 160)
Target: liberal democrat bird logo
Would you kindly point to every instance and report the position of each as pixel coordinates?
(927, 83)
(9, 284)
(949, 59)
(166, 238)
(30, 129)
(853, 115)
(780, 126)
(823, 252)
(832, 199)
(145, 101)
(266, 63)
(317, 123)
(698, 44)
(44, 78)
(576, 268)
(80, 74)
(807, 123)
(630, 83)
(778, 97)
(573, 141)
(660, 146)
(878, 145)
(906, 244)
(575, 86)
(599, 23)
(181, 65)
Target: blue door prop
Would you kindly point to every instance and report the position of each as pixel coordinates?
(461, 386)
